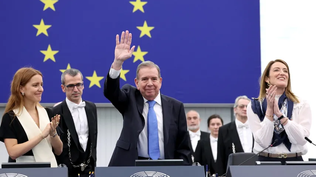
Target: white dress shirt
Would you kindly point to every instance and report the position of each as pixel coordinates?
(142, 144)
(296, 129)
(245, 135)
(81, 123)
(214, 147)
(195, 137)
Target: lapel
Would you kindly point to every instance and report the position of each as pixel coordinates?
(190, 145)
(140, 107)
(209, 153)
(70, 123)
(91, 122)
(204, 135)
(139, 102)
(235, 137)
(166, 111)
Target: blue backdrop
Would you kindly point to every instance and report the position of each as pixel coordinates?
(208, 51)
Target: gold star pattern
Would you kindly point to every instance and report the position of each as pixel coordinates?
(138, 5)
(139, 55)
(145, 29)
(42, 28)
(49, 4)
(95, 80)
(123, 72)
(49, 53)
(63, 70)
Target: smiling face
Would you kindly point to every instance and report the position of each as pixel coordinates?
(33, 89)
(278, 75)
(148, 82)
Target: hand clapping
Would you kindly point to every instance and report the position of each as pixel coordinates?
(53, 124)
(272, 104)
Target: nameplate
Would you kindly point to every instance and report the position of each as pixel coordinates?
(153, 171)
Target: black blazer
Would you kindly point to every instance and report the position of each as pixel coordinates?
(77, 154)
(226, 136)
(129, 102)
(204, 155)
(204, 136)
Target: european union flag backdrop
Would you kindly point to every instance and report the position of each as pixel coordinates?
(208, 50)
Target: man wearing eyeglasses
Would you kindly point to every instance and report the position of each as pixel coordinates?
(235, 136)
(78, 122)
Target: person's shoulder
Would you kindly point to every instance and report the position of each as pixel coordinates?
(227, 126)
(204, 141)
(302, 103)
(49, 111)
(128, 87)
(9, 116)
(57, 107)
(206, 133)
(90, 103)
(171, 99)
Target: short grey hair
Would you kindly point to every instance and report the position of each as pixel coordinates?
(239, 98)
(198, 114)
(148, 64)
(72, 72)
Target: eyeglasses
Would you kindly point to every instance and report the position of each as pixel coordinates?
(242, 106)
(72, 86)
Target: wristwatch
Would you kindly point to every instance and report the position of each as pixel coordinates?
(281, 117)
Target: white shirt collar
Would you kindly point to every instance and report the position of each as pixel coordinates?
(197, 133)
(71, 104)
(213, 139)
(240, 123)
(157, 99)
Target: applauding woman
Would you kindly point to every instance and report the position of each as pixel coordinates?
(26, 129)
(278, 118)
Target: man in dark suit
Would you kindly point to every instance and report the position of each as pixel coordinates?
(193, 123)
(154, 125)
(78, 122)
(235, 136)
(206, 150)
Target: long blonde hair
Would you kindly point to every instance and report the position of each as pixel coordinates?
(264, 85)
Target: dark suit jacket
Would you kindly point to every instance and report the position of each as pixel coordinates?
(129, 102)
(204, 155)
(77, 154)
(204, 136)
(226, 136)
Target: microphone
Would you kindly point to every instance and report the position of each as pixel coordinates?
(310, 141)
(274, 142)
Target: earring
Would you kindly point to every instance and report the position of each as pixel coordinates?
(22, 93)
(268, 84)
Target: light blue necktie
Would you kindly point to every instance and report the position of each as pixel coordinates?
(152, 128)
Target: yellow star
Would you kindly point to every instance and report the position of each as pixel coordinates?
(138, 5)
(145, 29)
(123, 72)
(63, 70)
(49, 53)
(42, 28)
(94, 80)
(49, 4)
(139, 55)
